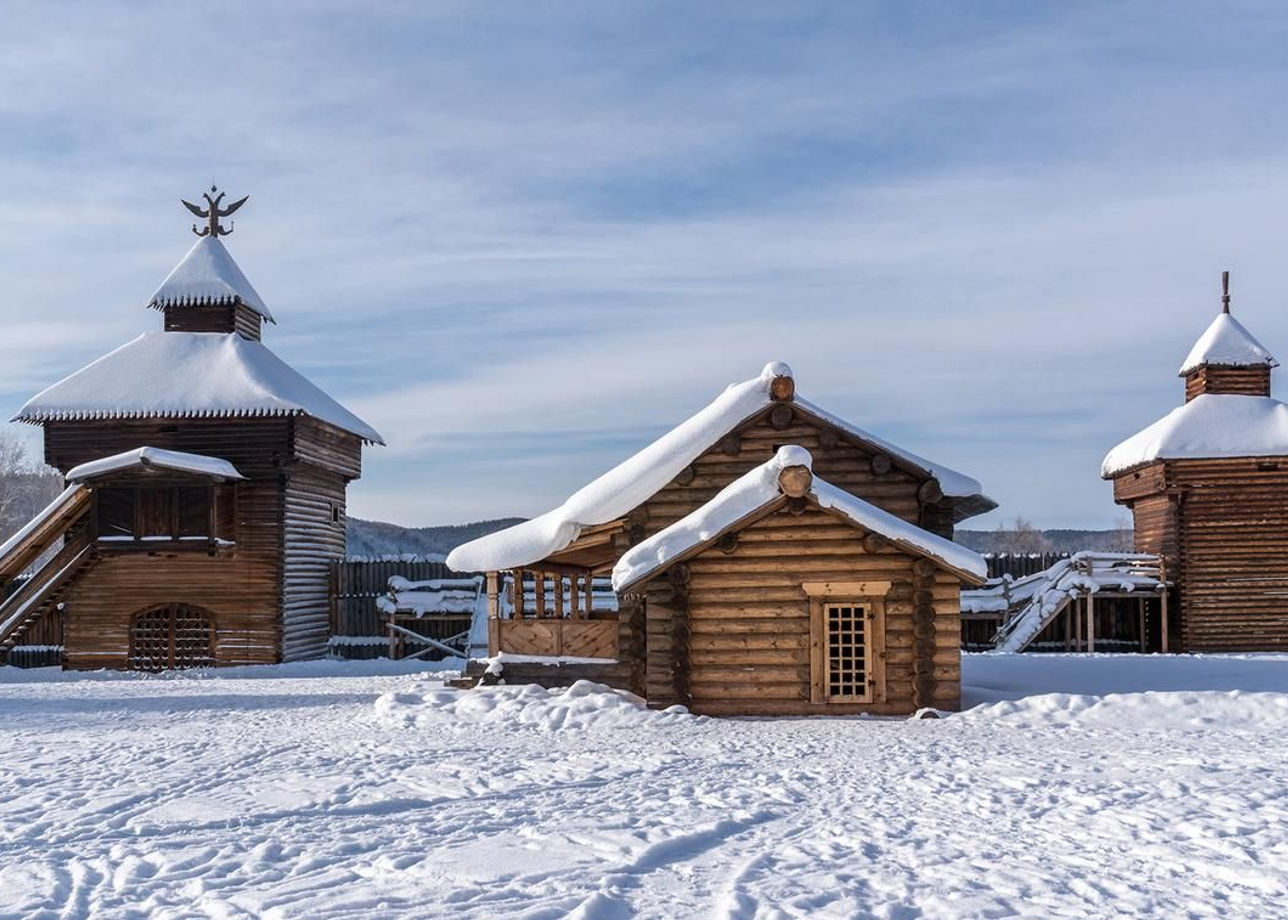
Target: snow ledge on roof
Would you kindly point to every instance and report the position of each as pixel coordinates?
(751, 492)
(208, 275)
(190, 375)
(1212, 425)
(1226, 343)
(639, 478)
(144, 457)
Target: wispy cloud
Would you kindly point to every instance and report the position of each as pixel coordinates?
(525, 239)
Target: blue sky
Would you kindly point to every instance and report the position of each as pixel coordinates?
(522, 239)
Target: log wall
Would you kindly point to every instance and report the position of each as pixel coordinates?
(223, 318)
(312, 540)
(735, 637)
(1233, 553)
(1244, 381)
(270, 593)
(240, 587)
(837, 459)
(1222, 527)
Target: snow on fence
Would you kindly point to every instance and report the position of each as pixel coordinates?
(358, 627)
(1021, 565)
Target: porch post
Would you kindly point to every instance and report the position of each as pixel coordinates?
(1163, 617)
(1091, 622)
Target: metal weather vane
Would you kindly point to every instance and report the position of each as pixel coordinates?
(213, 212)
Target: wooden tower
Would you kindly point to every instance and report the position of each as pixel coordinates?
(1207, 486)
(206, 488)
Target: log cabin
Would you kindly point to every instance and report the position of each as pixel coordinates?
(206, 484)
(768, 558)
(1207, 487)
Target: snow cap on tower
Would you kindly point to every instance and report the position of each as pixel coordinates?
(1225, 342)
(207, 275)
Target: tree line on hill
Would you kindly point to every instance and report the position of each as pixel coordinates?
(1021, 536)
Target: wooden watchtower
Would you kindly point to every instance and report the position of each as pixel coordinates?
(1207, 486)
(206, 488)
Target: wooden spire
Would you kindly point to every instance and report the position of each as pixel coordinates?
(1225, 292)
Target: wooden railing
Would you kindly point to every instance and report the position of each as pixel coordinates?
(24, 605)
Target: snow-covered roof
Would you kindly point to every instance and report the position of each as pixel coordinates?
(1210, 425)
(155, 457)
(634, 481)
(189, 375)
(751, 492)
(208, 275)
(1226, 343)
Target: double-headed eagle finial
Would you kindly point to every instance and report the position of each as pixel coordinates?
(212, 212)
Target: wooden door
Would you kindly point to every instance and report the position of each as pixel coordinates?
(172, 636)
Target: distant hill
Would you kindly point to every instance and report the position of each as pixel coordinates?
(376, 538)
(1062, 541)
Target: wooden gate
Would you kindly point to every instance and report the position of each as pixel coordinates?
(172, 636)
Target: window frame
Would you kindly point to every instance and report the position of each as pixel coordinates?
(216, 496)
(870, 597)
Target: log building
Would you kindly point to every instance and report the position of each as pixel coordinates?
(206, 490)
(1207, 486)
(768, 557)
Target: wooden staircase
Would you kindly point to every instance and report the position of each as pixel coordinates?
(66, 519)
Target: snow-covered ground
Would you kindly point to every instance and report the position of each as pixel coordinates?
(365, 789)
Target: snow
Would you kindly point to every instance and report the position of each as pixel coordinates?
(1041, 596)
(155, 457)
(440, 595)
(325, 790)
(189, 375)
(631, 483)
(1210, 425)
(1226, 343)
(906, 535)
(757, 488)
(208, 275)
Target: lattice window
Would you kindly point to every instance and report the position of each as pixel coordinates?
(173, 636)
(846, 627)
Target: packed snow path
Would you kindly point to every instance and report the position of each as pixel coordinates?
(346, 790)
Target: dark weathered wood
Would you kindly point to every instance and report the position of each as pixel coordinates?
(269, 592)
(224, 318)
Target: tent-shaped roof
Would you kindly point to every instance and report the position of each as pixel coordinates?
(636, 480)
(761, 488)
(189, 375)
(207, 275)
(156, 458)
(1208, 426)
(1226, 343)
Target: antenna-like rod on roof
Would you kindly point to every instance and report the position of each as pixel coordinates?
(1225, 292)
(212, 212)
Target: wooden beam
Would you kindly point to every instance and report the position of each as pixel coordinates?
(1091, 622)
(1163, 619)
(539, 592)
(1140, 608)
(493, 597)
